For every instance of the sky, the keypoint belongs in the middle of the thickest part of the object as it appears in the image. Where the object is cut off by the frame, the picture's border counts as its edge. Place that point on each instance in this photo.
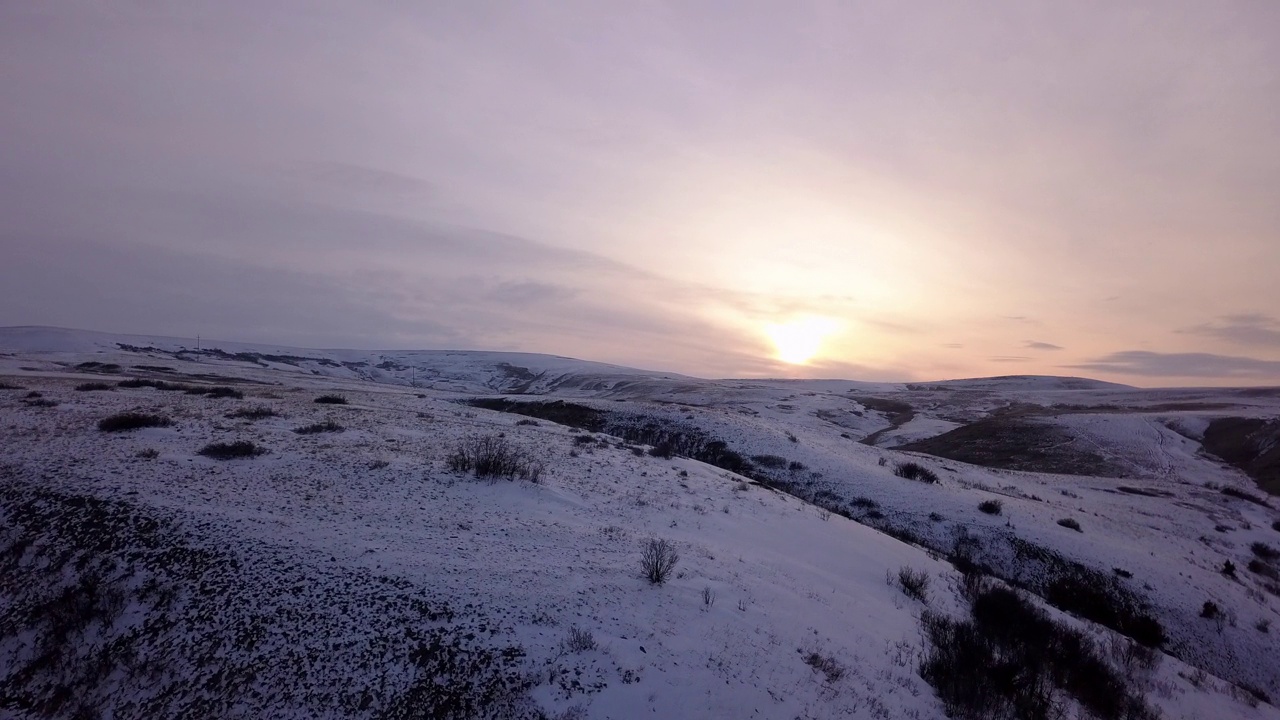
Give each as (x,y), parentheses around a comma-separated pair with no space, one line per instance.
(865,190)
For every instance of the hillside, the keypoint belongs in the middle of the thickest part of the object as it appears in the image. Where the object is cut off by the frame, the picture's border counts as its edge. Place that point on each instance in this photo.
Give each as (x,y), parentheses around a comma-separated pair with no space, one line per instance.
(354,570)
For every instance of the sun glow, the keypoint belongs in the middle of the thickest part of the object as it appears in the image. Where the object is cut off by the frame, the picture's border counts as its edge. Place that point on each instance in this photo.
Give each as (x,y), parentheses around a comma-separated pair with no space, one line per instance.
(798,341)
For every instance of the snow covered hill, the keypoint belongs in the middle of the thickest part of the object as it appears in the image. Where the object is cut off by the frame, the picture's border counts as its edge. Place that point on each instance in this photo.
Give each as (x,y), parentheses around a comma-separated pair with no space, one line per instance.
(353,568)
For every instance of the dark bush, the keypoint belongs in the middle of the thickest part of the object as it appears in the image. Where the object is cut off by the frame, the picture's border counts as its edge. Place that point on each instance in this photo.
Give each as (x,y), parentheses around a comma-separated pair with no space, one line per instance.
(132,421)
(662,450)
(915,471)
(493,457)
(1229,569)
(523,421)
(584,440)
(914,584)
(149,454)
(1103,600)
(253,413)
(331,400)
(828,666)
(7,386)
(991,507)
(773,462)
(33,395)
(1276,525)
(796,466)
(1070,523)
(41,402)
(1233,492)
(579,640)
(1258,567)
(92,386)
(658,559)
(328,426)
(232,450)
(1210,610)
(1010,661)
(1264,551)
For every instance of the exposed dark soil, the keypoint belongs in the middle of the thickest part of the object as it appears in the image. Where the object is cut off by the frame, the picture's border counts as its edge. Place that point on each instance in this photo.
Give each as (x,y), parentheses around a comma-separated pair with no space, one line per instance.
(898,413)
(1016,444)
(1251,444)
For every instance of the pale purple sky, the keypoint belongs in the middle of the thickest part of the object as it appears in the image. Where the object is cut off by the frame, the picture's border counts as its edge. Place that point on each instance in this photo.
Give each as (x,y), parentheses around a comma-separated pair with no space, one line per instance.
(904,190)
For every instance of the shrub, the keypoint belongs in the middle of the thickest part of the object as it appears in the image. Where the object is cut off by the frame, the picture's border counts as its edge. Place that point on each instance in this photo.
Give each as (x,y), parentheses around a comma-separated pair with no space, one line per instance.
(708,596)
(1264,551)
(658,559)
(1210,610)
(321,427)
(579,640)
(796,466)
(7,386)
(232,450)
(331,400)
(1229,569)
(584,439)
(493,457)
(769,461)
(1233,492)
(991,507)
(41,402)
(914,584)
(523,421)
(253,413)
(149,454)
(915,471)
(1276,526)
(92,386)
(1070,523)
(132,421)
(663,450)
(825,665)
(1010,660)
(1258,567)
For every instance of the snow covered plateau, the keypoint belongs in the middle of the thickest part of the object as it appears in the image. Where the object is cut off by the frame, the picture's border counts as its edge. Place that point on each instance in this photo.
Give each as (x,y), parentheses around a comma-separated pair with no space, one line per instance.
(242,531)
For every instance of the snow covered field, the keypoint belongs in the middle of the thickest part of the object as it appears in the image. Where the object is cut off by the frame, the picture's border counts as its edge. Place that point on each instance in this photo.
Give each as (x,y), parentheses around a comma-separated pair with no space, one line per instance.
(352,573)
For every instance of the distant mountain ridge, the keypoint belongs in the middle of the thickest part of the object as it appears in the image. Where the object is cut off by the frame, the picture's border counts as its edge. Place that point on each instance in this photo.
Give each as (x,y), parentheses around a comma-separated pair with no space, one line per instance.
(502,371)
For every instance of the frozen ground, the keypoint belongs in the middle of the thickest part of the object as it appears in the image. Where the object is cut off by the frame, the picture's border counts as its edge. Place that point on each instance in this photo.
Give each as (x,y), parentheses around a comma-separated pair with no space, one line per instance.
(352,574)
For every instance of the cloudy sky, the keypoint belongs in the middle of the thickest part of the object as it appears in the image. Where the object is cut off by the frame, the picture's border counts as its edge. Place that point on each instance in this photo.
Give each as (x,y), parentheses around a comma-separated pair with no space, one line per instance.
(869,190)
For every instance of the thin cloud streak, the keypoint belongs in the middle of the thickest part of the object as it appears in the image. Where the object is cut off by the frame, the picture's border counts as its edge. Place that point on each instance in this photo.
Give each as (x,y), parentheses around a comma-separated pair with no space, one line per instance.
(1183,365)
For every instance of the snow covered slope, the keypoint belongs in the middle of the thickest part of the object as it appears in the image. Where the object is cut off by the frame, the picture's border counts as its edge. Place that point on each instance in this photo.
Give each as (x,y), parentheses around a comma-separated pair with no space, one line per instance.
(353,573)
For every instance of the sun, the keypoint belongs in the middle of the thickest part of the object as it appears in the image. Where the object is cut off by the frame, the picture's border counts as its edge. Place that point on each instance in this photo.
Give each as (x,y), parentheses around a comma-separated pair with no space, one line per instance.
(798,341)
